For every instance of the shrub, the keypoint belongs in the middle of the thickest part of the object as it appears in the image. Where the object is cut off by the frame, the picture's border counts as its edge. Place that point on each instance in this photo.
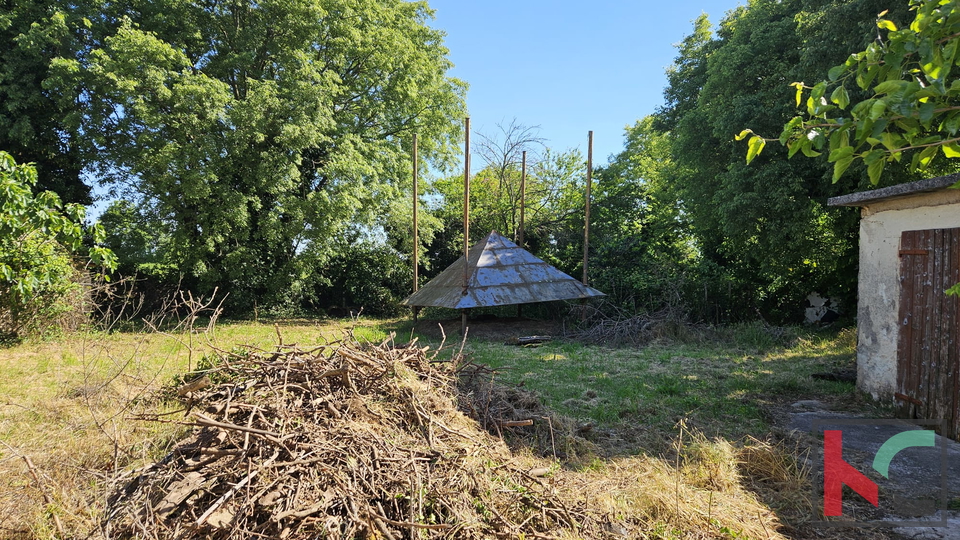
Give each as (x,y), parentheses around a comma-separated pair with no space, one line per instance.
(39,236)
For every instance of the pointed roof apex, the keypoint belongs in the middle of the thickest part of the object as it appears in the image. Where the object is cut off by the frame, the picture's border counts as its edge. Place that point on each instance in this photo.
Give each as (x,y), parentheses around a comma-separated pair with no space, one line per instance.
(498,273)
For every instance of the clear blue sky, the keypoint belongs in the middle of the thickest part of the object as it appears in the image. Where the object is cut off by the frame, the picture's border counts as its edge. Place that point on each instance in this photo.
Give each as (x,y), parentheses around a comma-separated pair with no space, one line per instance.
(567,66)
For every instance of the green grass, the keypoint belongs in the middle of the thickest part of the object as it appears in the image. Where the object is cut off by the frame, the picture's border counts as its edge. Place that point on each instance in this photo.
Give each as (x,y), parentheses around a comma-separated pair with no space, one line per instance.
(725,387)
(69,402)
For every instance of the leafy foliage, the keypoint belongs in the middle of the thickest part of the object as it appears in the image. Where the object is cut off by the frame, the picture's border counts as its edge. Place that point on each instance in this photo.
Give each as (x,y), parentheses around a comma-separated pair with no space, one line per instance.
(643,246)
(763,235)
(911,99)
(252,134)
(553,204)
(367,275)
(38,233)
(34,125)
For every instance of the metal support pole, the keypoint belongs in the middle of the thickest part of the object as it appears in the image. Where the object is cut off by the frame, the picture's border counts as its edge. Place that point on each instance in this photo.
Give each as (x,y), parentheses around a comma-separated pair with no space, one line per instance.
(466,220)
(523,195)
(416,232)
(586,217)
(523,207)
(416,237)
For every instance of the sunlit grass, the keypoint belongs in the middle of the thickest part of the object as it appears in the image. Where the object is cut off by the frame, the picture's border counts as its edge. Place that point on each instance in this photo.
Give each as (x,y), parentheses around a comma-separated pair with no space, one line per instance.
(71,403)
(720,387)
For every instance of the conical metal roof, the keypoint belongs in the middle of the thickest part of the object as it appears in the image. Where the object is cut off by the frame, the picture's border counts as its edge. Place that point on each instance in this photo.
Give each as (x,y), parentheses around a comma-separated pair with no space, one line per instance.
(499,273)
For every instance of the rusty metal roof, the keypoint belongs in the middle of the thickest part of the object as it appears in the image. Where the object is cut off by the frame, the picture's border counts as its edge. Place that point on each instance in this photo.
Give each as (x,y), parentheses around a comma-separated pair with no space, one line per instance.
(499,273)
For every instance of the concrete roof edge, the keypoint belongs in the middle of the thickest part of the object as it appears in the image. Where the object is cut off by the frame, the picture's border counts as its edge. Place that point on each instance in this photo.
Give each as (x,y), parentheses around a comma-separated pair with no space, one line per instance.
(863,198)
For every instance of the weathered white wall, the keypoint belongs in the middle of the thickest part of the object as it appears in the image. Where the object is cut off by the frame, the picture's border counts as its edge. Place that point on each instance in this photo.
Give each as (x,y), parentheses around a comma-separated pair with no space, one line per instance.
(879,289)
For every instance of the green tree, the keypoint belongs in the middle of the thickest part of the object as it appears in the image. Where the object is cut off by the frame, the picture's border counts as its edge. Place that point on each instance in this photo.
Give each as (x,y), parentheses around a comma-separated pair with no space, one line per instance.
(643,247)
(910,104)
(553,202)
(38,237)
(257,132)
(34,123)
(767,227)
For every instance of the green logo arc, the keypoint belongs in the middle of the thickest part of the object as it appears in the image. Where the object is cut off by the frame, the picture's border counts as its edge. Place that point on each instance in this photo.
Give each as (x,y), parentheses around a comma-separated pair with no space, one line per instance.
(900,441)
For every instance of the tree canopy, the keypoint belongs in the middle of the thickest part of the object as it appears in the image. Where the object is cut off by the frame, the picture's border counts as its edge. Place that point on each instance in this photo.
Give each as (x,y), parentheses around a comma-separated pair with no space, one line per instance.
(34,124)
(765,228)
(910,104)
(250,134)
(263,147)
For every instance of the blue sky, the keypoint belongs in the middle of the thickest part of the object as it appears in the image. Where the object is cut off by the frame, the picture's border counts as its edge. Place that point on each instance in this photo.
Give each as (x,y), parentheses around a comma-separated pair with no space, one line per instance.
(567,66)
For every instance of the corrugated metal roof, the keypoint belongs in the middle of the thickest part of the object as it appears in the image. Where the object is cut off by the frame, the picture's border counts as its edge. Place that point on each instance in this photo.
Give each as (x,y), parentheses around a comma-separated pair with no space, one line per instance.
(499,273)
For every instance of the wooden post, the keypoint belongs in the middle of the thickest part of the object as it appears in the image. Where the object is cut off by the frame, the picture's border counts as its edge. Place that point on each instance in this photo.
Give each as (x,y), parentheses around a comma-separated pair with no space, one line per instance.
(523,204)
(523,194)
(466,221)
(416,235)
(586,217)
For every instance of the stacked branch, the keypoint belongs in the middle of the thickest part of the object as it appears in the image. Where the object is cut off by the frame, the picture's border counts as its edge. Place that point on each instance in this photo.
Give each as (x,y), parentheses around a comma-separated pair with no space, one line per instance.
(606,324)
(340,441)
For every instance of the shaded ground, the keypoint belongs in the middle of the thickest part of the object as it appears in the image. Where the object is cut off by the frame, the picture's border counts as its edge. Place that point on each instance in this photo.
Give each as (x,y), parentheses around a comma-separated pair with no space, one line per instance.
(917,487)
(488,328)
(743,384)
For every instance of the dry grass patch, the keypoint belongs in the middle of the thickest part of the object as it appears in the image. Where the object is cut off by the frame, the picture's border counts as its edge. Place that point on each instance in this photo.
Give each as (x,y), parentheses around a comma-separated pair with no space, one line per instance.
(69,406)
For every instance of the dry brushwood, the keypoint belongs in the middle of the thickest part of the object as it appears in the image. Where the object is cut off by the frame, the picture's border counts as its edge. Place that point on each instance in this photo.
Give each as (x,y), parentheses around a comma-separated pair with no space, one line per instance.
(518,416)
(605,324)
(341,441)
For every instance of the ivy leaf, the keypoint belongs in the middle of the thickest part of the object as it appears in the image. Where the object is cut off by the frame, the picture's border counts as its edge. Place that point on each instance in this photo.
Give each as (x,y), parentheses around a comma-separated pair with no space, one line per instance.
(799,87)
(951,150)
(954,291)
(875,169)
(923,159)
(888,87)
(926,113)
(809,151)
(843,152)
(840,167)
(877,109)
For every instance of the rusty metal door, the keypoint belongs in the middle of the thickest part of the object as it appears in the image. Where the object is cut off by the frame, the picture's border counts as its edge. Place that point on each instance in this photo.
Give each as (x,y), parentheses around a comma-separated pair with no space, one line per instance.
(928,355)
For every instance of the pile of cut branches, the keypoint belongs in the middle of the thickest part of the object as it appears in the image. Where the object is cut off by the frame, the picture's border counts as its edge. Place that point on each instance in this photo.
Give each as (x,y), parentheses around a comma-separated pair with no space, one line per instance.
(605,324)
(342,441)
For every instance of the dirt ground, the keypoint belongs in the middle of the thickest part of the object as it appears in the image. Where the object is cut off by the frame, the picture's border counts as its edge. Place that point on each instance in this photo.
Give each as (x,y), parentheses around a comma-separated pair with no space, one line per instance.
(489,328)
(790,419)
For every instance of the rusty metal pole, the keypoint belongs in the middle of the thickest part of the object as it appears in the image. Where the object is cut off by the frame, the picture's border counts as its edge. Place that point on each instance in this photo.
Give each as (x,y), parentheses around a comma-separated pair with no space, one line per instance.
(416,235)
(523,204)
(466,221)
(416,196)
(586,217)
(523,193)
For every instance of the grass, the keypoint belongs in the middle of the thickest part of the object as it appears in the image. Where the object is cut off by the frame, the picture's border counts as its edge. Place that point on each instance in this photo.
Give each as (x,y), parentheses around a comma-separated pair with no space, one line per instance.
(723,388)
(69,404)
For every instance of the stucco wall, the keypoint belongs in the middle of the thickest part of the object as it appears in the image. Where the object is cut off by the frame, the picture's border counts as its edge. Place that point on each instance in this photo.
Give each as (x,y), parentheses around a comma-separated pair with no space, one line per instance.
(879,288)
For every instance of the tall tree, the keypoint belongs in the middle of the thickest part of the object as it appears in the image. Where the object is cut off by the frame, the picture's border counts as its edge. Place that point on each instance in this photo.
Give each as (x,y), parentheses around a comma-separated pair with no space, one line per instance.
(767,225)
(498,183)
(251,133)
(894,98)
(34,123)
(643,245)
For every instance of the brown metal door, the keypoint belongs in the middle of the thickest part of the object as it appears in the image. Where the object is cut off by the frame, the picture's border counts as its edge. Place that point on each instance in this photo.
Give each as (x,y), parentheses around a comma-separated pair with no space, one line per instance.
(928,356)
